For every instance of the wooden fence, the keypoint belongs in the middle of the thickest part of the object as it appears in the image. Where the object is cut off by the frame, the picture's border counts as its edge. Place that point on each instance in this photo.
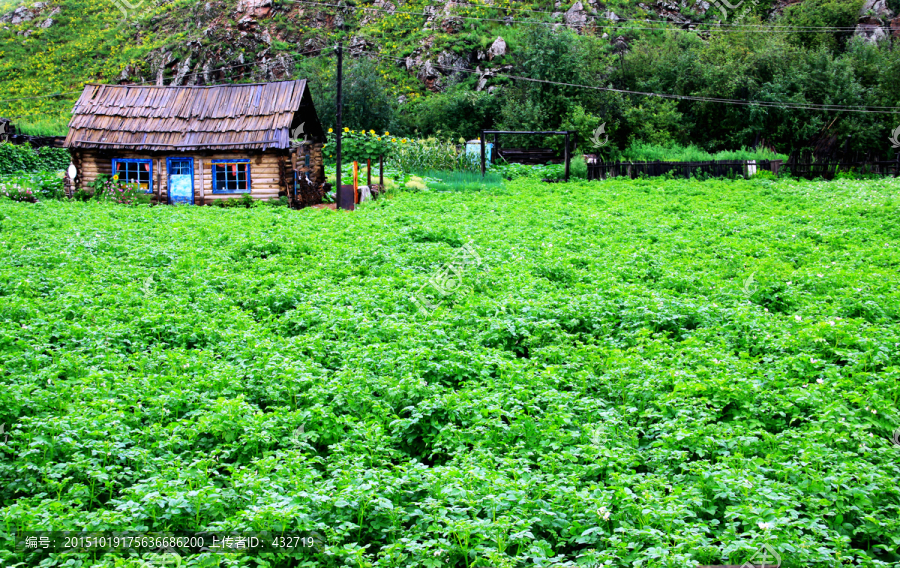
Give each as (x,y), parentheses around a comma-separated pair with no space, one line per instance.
(806,165)
(598,169)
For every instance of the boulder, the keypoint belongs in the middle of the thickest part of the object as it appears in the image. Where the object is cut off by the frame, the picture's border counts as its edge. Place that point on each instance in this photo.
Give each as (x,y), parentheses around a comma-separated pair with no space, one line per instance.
(497,49)
(254,8)
(575,16)
(430,77)
(876,8)
(19,15)
(870,32)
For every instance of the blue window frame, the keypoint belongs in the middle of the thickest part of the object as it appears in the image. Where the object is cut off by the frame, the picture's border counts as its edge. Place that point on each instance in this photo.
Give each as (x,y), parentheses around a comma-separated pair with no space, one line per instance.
(135,171)
(231,176)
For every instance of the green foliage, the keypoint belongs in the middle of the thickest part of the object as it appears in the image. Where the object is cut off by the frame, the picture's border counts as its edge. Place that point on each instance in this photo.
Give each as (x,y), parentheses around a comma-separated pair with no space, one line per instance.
(639,151)
(109,189)
(24,158)
(655,121)
(455,180)
(431,154)
(634,373)
(361,145)
(245,200)
(822,13)
(49,127)
(365,93)
(32,187)
(459,113)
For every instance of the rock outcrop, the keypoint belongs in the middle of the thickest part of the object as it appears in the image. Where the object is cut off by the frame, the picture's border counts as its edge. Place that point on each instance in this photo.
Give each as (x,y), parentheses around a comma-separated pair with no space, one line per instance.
(872,17)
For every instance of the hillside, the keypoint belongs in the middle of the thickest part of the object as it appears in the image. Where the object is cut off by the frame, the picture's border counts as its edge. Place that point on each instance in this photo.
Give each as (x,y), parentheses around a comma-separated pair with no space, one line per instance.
(442,67)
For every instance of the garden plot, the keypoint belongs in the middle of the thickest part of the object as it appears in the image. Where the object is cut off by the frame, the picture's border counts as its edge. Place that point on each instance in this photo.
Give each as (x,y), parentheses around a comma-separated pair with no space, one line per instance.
(630,373)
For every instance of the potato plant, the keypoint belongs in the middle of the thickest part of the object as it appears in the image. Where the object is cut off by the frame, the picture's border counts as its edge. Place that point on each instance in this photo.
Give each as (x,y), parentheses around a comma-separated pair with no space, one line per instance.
(641,373)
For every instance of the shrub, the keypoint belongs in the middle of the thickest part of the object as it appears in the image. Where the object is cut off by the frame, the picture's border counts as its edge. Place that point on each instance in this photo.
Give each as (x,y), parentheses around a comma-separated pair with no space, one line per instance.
(109,188)
(359,145)
(32,187)
(24,158)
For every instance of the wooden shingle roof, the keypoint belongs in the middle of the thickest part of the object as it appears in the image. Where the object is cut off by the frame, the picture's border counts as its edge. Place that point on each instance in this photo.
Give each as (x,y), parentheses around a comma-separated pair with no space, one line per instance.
(220,117)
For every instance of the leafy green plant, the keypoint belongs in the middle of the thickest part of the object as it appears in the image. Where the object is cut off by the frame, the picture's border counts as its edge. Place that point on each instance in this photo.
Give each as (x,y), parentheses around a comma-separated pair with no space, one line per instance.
(111,189)
(245,200)
(360,145)
(32,187)
(23,158)
(682,350)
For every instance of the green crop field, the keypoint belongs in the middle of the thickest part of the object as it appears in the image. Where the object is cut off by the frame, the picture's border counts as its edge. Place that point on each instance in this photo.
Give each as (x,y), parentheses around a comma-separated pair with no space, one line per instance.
(630,373)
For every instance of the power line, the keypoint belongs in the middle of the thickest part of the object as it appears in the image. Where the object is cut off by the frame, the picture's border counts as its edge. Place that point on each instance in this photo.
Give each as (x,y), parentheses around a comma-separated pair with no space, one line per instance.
(765,104)
(765,27)
(752,28)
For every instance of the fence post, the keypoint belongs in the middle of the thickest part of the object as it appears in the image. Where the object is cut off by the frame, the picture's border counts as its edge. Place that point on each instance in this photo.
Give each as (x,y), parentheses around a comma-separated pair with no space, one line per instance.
(381,172)
(482,153)
(567,155)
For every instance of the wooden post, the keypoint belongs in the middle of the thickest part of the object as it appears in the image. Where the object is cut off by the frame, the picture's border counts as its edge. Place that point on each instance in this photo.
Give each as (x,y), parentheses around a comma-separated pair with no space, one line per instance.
(482,154)
(369,173)
(494,151)
(340,80)
(381,171)
(567,155)
(202,188)
(355,182)
(158,186)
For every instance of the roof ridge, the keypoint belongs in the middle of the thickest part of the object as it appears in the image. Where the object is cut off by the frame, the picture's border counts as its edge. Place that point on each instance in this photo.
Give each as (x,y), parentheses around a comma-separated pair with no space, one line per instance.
(191,86)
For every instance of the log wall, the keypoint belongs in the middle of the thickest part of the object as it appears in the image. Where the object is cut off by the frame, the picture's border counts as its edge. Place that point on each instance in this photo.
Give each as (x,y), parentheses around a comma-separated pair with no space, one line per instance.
(266,172)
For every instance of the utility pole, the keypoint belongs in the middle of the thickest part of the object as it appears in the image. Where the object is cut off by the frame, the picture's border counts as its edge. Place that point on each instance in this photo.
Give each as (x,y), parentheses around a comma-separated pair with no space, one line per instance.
(339,130)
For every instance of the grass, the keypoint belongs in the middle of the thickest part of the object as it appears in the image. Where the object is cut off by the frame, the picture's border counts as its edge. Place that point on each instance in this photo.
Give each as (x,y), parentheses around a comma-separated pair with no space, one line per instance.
(630,373)
(456,180)
(49,127)
(643,152)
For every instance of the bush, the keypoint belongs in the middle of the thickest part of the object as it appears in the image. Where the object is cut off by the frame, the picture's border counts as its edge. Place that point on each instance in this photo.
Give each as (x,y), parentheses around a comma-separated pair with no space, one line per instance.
(110,189)
(645,152)
(24,158)
(246,200)
(359,145)
(32,187)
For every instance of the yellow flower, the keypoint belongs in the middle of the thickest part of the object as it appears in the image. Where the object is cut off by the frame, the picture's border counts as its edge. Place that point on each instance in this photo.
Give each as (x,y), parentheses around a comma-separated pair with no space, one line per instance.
(386,133)
(116,177)
(330,130)
(346,129)
(393,139)
(371,132)
(404,140)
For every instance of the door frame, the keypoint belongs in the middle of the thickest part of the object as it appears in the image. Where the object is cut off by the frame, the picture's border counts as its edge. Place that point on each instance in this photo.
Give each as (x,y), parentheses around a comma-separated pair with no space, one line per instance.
(169,161)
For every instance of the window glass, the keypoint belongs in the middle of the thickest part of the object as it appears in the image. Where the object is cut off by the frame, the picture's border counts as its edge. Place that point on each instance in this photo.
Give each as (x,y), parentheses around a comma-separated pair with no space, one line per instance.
(135,171)
(231,176)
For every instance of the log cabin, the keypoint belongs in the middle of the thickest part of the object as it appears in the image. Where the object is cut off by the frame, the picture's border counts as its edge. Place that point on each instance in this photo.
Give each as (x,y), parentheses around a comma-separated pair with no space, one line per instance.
(199,144)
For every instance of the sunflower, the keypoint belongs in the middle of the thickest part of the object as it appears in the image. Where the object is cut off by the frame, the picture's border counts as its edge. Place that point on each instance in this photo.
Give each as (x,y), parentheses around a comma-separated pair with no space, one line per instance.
(346,129)
(330,130)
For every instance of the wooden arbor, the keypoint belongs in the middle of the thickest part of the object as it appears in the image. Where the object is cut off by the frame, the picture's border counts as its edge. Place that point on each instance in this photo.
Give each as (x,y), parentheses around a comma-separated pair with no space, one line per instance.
(566,153)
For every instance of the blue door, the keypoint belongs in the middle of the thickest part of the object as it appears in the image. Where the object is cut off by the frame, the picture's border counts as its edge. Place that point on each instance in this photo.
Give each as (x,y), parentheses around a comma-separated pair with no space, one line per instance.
(180,187)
